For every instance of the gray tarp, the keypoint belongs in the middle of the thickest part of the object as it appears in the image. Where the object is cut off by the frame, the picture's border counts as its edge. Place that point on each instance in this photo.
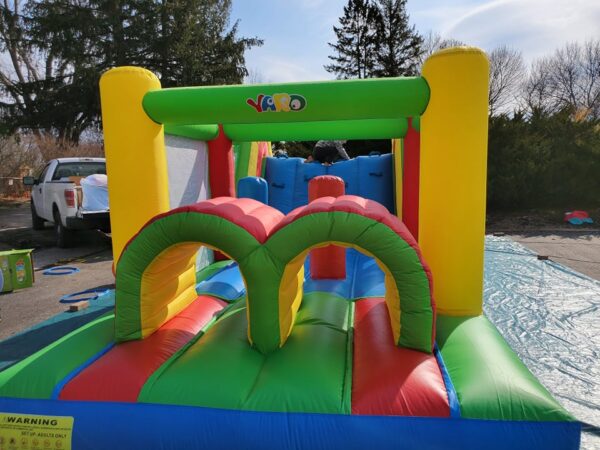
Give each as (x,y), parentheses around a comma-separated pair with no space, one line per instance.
(549,314)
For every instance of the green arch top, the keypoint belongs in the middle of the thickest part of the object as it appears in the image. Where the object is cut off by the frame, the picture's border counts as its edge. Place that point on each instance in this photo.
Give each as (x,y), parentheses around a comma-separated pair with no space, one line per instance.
(383,98)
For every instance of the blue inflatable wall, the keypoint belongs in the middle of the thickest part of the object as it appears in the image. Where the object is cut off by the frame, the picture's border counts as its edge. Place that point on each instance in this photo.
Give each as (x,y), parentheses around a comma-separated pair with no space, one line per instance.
(370,177)
(253,187)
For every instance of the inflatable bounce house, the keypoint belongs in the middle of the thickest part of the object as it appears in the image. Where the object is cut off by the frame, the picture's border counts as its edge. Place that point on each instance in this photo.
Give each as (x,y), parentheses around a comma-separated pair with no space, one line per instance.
(266,302)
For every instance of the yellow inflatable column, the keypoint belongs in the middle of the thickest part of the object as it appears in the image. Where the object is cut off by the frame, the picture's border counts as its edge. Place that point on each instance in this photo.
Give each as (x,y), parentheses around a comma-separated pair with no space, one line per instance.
(253,160)
(135,153)
(397,153)
(453,177)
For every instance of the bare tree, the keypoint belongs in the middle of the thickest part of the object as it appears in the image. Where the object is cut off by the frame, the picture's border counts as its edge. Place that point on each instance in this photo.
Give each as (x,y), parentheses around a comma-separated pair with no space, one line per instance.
(507,71)
(17,154)
(537,88)
(254,76)
(591,77)
(570,78)
(432,42)
(566,75)
(21,67)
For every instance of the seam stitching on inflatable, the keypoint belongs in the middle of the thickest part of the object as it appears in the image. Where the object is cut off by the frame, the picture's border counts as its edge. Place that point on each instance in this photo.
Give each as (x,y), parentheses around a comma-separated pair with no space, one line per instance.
(347,380)
(453,403)
(77,370)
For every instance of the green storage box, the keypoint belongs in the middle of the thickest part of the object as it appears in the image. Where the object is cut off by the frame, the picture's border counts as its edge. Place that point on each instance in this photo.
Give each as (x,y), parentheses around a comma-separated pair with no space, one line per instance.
(5,278)
(16,270)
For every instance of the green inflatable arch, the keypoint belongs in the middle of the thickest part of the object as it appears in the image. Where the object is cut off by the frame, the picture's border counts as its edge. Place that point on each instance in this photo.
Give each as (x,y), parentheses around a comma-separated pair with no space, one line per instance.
(156,272)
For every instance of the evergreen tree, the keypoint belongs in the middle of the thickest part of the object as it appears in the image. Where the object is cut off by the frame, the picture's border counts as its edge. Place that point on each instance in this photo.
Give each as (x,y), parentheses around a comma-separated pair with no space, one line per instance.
(61,47)
(399,46)
(357,42)
(198,48)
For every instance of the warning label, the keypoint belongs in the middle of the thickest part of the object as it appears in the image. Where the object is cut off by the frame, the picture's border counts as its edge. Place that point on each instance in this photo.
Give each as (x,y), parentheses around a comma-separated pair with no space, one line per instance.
(32,432)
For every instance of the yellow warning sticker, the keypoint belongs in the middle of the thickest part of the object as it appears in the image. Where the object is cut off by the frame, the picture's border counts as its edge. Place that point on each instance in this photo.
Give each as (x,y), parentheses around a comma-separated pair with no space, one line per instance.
(32,432)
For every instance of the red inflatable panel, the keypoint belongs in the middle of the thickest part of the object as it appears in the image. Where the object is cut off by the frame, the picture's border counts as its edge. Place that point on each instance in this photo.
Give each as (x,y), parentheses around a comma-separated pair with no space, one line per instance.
(410,180)
(327,262)
(356,205)
(255,217)
(325,186)
(120,374)
(263,152)
(390,380)
(221,170)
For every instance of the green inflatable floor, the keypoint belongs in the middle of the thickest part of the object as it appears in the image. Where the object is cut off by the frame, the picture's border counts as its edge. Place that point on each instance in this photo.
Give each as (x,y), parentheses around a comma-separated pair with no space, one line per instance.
(490,380)
(310,373)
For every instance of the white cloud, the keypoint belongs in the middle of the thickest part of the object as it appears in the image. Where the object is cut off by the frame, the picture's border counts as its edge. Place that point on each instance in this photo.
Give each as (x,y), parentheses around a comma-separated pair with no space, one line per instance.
(536,27)
(431,14)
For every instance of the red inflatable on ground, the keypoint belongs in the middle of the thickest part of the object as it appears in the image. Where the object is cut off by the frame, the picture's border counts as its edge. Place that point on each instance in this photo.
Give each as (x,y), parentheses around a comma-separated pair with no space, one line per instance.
(578,217)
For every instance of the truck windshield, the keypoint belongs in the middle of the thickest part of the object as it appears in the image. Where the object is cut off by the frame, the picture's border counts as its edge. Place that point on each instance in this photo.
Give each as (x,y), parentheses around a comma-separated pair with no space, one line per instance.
(78,169)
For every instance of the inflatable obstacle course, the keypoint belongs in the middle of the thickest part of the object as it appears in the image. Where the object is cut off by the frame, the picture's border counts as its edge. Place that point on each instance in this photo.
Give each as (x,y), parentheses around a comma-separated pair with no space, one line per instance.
(394,355)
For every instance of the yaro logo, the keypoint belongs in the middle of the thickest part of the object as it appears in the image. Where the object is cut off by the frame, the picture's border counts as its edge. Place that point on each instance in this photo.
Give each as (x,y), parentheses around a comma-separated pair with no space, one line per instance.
(277,103)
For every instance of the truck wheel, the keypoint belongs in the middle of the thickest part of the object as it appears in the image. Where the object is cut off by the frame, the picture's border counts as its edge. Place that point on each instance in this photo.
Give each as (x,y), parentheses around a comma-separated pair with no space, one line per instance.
(64,236)
(36,221)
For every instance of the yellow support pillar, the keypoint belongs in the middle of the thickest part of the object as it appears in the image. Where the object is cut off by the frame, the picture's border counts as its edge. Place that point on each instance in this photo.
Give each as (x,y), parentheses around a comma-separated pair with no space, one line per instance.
(397,153)
(253,160)
(453,169)
(134,145)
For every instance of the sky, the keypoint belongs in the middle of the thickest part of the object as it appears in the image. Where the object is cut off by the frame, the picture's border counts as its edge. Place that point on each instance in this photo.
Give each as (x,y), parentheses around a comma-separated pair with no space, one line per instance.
(296,32)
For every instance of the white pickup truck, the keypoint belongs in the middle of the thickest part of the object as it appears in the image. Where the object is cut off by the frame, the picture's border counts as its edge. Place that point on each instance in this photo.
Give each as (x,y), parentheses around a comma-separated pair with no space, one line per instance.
(57,197)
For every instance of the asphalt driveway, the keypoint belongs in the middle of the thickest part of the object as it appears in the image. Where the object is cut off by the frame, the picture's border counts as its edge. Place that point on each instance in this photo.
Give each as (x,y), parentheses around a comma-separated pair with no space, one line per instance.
(24,308)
